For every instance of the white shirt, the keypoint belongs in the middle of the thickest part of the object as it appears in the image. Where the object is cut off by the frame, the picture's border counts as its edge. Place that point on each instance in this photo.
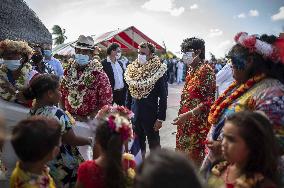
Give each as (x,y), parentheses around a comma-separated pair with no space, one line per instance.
(180,66)
(224,78)
(117,74)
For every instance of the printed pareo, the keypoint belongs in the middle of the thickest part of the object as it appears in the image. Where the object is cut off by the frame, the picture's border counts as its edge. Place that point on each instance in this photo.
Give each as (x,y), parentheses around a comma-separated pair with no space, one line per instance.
(199,88)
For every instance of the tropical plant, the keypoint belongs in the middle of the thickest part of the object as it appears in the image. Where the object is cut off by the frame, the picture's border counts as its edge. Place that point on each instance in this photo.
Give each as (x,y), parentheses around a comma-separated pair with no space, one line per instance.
(59,34)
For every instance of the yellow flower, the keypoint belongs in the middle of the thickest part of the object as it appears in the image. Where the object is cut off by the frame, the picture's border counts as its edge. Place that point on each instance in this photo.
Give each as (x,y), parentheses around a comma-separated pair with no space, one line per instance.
(72,120)
(131,173)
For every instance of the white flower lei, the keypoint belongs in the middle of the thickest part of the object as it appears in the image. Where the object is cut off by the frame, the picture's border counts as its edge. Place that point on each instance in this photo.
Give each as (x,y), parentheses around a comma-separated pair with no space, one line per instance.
(72,82)
(20,82)
(142,78)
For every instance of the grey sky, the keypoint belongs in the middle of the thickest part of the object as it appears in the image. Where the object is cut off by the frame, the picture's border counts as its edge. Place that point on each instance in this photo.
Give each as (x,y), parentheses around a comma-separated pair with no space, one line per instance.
(216,21)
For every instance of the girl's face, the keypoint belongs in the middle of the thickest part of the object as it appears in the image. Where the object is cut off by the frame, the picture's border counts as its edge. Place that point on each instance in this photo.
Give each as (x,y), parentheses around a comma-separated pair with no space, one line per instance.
(234,148)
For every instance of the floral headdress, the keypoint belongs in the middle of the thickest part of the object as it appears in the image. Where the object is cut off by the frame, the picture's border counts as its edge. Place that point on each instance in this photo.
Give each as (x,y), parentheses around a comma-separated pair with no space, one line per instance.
(118,118)
(8,46)
(251,42)
(108,109)
(120,125)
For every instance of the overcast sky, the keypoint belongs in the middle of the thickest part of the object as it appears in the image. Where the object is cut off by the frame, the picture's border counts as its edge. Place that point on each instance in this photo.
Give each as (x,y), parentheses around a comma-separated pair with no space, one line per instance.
(216,21)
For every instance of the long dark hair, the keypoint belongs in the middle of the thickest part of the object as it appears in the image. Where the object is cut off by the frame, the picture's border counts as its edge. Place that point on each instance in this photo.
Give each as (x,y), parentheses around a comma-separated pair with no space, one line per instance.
(260,64)
(111,143)
(40,85)
(257,132)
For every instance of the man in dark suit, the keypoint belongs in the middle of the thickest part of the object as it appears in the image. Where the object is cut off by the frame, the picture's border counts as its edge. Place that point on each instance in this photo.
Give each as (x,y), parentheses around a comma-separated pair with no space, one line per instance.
(114,70)
(147,96)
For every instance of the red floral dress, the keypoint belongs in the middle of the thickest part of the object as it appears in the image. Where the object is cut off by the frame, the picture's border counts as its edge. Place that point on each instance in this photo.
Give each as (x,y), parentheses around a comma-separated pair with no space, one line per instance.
(199,88)
(98,94)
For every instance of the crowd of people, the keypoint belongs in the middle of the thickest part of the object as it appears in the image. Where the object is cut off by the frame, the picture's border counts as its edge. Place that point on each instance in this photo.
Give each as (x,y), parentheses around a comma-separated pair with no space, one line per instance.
(232,139)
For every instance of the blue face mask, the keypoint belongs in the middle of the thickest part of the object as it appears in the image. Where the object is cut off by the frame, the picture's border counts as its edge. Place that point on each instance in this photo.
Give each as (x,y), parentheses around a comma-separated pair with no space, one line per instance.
(82,59)
(12,65)
(47,53)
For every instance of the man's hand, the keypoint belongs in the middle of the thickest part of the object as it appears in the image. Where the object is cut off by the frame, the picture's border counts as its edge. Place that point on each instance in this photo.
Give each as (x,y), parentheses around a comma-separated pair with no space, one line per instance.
(158,125)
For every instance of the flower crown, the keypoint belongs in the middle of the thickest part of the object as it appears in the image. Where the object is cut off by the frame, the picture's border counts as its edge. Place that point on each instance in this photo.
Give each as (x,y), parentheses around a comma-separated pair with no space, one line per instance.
(118,118)
(121,125)
(255,45)
(108,109)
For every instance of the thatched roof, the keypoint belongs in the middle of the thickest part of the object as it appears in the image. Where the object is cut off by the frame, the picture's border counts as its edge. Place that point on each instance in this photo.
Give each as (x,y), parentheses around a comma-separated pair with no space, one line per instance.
(19,22)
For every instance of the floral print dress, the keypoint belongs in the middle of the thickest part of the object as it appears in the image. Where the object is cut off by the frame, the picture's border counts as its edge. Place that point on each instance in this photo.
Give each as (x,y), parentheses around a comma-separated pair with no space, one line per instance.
(199,88)
(64,168)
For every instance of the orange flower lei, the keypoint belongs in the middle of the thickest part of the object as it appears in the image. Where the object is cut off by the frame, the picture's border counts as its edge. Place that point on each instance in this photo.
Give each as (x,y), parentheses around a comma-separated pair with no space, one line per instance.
(223,101)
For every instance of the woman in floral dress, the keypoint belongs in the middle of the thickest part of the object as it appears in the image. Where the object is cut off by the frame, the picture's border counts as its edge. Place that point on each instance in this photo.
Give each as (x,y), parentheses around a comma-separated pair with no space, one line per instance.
(45,89)
(258,72)
(197,96)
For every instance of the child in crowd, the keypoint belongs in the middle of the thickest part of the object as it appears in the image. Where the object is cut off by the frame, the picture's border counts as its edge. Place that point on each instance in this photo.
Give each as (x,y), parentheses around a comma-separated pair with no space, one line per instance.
(45,89)
(166,169)
(109,170)
(251,153)
(36,141)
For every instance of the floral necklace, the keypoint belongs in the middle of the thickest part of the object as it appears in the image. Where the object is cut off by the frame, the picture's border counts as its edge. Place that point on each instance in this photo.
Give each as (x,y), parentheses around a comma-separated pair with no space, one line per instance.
(241,182)
(77,87)
(142,78)
(223,101)
(19,83)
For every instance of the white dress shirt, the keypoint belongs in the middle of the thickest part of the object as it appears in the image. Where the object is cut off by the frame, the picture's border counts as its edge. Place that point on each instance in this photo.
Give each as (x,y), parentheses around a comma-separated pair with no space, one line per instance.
(117,73)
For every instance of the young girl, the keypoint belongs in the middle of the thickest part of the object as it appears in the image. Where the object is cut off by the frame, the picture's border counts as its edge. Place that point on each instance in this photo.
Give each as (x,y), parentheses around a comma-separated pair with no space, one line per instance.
(250,150)
(108,170)
(45,89)
(35,141)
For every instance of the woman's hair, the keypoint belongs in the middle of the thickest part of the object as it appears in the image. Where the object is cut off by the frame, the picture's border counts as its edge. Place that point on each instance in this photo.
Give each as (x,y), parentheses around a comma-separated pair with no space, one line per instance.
(257,132)
(34,138)
(10,46)
(195,44)
(167,169)
(40,85)
(260,64)
(111,144)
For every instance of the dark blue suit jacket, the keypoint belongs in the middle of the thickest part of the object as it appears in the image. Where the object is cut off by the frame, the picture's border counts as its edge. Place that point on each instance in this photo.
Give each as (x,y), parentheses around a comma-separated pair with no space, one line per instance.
(148,110)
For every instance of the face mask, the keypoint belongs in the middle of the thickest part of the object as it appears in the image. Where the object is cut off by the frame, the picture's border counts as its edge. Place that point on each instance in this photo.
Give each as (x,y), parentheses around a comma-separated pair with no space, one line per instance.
(37,58)
(82,59)
(118,55)
(12,64)
(188,57)
(142,59)
(47,53)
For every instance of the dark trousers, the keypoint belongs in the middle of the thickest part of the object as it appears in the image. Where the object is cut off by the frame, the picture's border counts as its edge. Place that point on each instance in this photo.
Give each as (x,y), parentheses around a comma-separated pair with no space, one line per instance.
(145,130)
(119,97)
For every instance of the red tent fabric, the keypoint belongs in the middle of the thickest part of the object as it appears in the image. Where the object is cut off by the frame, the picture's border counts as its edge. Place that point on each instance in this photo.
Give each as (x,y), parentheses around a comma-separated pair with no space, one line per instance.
(128,38)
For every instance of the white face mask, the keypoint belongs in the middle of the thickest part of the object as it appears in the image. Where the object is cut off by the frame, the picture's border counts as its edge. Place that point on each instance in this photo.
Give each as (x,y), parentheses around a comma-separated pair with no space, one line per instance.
(142,59)
(187,58)
(12,64)
(82,59)
(118,55)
